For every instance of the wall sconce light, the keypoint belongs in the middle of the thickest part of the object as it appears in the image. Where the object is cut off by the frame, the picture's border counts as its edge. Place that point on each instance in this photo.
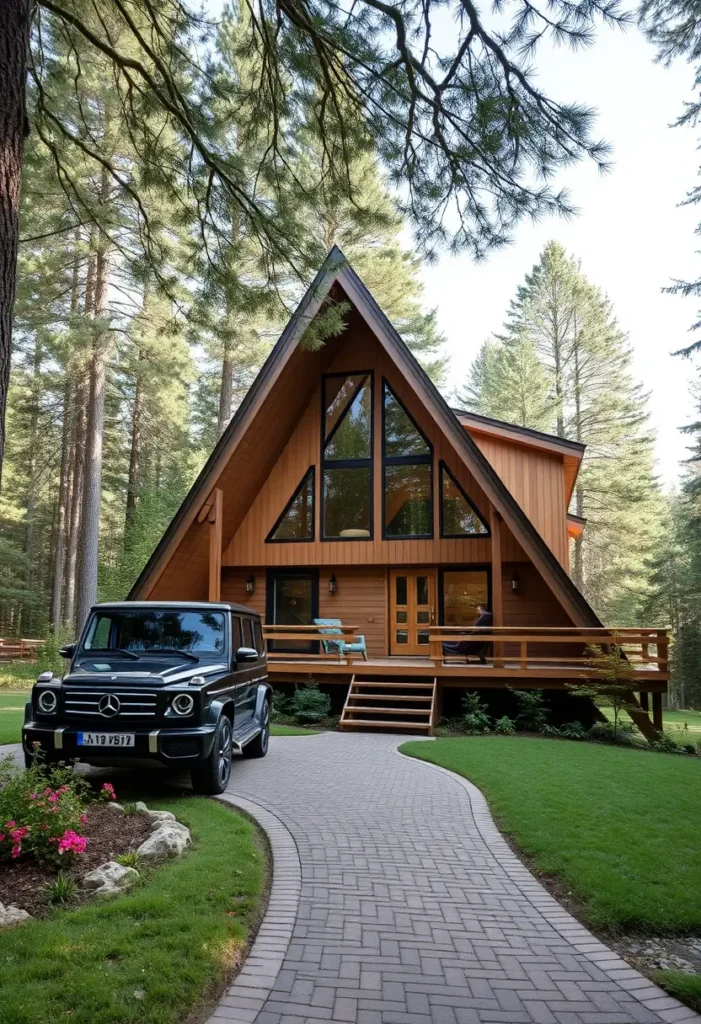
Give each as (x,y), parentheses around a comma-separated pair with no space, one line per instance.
(332,583)
(514,582)
(251,584)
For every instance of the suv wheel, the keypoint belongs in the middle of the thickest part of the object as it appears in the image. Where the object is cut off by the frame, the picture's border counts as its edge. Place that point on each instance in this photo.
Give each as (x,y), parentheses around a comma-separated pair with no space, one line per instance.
(259,746)
(211,775)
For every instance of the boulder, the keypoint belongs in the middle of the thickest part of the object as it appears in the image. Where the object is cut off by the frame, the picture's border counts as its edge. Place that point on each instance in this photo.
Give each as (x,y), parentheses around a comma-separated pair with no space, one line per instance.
(167,821)
(12,915)
(110,877)
(115,808)
(167,840)
(156,816)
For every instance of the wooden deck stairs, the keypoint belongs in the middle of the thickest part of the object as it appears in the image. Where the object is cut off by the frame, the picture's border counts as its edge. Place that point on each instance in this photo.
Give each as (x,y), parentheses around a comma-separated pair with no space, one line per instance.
(390,704)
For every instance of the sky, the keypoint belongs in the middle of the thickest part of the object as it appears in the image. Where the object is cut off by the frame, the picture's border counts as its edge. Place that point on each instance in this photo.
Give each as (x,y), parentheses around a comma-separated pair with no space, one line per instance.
(630,234)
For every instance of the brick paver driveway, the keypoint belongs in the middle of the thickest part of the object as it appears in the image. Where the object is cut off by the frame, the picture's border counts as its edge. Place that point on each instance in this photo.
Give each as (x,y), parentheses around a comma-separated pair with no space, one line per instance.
(413,910)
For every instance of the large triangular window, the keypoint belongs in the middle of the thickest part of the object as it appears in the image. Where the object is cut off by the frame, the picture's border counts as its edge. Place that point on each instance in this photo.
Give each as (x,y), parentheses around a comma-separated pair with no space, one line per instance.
(459,517)
(297,519)
(407,459)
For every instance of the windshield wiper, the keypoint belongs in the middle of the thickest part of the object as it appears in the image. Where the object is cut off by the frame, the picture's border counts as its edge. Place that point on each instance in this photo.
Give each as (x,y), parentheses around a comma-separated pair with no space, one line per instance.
(170,650)
(108,651)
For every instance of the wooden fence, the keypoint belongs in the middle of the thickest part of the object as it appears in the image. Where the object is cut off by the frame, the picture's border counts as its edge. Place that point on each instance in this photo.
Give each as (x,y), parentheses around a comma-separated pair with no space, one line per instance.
(13,650)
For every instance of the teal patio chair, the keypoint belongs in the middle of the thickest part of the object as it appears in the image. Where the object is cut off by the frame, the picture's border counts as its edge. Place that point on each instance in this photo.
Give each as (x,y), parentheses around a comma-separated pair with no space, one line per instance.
(339,646)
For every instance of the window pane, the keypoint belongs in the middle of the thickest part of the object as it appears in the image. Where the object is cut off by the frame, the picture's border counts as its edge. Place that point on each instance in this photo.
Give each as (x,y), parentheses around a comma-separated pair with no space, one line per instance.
(422,590)
(408,501)
(401,588)
(402,636)
(402,618)
(423,636)
(459,518)
(463,590)
(347,502)
(298,521)
(423,618)
(293,603)
(348,417)
(151,629)
(401,436)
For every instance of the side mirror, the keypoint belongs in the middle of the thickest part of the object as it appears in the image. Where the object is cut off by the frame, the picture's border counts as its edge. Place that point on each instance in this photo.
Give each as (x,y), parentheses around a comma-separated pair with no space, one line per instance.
(67,651)
(245,654)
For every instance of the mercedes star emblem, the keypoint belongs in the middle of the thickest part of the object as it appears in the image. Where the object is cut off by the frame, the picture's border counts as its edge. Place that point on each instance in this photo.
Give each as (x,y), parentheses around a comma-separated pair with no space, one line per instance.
(109,705)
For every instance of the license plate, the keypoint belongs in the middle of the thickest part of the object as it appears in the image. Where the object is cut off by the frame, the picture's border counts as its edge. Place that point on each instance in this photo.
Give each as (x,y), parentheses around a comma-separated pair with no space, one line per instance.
(105,739)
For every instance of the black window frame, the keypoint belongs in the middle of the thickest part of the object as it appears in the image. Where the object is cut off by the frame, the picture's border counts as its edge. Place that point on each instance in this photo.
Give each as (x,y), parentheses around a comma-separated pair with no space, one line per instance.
(469,567)
(270,577)
(443,468)
(368,463)
(270,539)
(405,460)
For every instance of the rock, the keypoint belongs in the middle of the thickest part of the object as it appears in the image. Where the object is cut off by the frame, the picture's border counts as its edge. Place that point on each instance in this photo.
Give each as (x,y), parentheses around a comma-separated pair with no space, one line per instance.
(156,816)
(166,841)
(172,823)
(110,877)
(116,808)
(12,915)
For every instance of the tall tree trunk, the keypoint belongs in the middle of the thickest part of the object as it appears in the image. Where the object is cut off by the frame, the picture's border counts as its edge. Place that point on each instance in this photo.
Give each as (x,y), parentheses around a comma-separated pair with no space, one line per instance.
(31,500)
(226,391)
(578,554)
(65,473)
(135,454)
(92,479)
(14,125)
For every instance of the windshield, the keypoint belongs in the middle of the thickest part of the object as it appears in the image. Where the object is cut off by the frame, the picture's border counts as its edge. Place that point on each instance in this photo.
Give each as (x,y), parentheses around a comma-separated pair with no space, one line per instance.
(169,630)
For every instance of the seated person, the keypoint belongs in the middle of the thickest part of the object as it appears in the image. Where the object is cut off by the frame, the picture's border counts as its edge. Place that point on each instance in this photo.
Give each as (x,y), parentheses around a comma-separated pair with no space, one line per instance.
(473,648)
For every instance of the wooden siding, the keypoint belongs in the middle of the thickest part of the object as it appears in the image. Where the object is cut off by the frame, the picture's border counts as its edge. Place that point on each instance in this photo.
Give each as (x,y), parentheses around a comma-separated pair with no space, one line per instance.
(536,479)
(360,351)
(361,599)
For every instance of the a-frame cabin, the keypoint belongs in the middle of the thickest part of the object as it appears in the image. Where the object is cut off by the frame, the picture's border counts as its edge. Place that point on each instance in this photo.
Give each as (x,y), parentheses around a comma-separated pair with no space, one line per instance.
(346,488)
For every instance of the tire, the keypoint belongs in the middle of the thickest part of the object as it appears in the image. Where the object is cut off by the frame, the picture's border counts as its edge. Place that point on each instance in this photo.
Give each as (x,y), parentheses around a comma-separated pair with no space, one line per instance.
(211,775)
(259,746)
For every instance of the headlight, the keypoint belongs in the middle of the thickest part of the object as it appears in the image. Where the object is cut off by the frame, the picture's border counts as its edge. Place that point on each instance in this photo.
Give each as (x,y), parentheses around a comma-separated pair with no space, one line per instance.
(47,702)
(183,704)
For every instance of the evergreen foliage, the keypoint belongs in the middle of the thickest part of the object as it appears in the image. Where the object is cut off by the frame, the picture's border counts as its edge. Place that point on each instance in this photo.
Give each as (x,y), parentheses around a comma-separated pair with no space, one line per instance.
(563,365)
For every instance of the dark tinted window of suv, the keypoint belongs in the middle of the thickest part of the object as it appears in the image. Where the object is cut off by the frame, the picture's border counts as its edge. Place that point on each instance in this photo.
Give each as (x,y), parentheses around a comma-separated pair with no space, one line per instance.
(238,636)
(248,634)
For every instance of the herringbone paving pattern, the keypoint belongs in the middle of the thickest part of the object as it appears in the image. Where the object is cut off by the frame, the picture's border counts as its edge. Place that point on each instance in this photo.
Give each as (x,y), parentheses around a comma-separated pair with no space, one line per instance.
(413,910)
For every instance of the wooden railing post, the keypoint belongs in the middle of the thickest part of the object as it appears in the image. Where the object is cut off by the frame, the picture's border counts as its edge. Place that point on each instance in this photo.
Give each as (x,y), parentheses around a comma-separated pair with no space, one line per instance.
(662,650)
(524,655)
(497,588)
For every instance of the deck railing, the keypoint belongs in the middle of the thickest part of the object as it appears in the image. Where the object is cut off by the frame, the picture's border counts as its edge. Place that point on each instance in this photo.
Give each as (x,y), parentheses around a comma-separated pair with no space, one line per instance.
(528,647)
(314,636)
(512,648)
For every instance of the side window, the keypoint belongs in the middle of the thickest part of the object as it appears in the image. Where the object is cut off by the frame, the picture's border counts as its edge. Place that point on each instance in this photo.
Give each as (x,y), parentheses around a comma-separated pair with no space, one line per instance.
(248,634)
(258,630)
(99,638)
(236,633)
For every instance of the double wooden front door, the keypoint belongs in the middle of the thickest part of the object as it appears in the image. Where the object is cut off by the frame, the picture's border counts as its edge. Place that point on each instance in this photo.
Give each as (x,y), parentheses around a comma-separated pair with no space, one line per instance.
(412,609)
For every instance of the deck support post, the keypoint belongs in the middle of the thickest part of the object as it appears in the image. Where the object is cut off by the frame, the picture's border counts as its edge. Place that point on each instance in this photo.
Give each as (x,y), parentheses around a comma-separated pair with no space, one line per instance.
(215,543)
(497,588)
(644,700)
(657,711)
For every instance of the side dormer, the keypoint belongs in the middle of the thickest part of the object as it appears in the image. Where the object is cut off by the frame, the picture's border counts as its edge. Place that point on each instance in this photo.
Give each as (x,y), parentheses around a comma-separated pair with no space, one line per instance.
(540,470)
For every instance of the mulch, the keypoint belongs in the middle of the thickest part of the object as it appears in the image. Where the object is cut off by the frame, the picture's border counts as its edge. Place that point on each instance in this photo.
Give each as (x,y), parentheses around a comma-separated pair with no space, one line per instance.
(23,882)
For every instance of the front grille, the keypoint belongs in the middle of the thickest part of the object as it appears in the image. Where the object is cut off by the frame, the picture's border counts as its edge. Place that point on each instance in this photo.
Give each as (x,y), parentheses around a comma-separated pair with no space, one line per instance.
(132,703)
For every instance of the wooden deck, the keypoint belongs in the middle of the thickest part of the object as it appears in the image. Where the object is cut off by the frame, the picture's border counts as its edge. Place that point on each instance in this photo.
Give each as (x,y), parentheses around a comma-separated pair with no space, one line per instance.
(518,656)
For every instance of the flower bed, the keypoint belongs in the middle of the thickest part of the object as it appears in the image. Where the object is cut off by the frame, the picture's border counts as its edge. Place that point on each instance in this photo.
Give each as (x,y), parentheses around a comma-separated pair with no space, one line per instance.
(53,825)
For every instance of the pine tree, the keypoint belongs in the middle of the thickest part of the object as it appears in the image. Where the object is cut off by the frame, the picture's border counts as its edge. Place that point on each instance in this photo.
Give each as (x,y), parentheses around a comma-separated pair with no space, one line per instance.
(508,382)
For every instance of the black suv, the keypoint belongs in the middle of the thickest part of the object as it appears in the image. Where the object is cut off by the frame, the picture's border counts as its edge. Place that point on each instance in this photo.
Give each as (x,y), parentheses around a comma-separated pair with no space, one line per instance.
(182,683)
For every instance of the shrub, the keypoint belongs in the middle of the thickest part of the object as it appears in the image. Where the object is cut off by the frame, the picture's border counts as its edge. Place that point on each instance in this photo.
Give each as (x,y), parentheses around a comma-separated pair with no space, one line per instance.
(281,707)
(667,745)
(130,859)
(573,731)
(689,747)
(552,731)
(41,812)
(475,719)
(606,732)
(505,726)
(309,704)
(62,889)
(532,714)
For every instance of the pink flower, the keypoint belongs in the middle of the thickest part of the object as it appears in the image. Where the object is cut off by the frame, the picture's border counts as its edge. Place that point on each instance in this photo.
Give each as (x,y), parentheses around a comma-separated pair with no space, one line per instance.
(53,798)
(108,790)
(71,842)
(83,819)
(33,796)
(18,834)
(16,850)
(10,824)
(2,836)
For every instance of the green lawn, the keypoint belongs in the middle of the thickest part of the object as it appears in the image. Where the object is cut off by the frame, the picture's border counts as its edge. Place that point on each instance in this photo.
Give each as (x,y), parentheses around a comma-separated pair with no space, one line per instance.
(676,722)
(291,730)
(150,956)
(619,827)
(11,716)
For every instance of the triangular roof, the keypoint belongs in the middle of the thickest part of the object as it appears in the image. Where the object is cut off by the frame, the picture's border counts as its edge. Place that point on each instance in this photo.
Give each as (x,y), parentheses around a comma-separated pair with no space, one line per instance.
(337,272)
